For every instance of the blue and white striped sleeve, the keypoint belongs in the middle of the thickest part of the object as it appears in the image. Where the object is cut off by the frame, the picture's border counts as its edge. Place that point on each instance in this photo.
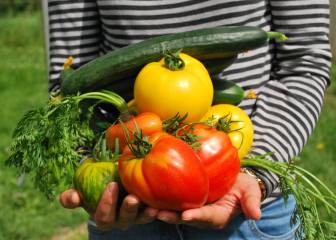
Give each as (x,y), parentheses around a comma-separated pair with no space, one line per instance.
(288,106)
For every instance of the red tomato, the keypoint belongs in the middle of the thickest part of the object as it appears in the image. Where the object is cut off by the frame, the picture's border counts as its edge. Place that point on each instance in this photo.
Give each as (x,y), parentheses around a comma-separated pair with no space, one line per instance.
(147,122)
(170,176)
(219,157)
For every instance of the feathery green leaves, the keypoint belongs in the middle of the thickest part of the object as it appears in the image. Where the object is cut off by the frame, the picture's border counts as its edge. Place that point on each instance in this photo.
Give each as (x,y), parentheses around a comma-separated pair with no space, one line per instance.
(308,191)
(47,140)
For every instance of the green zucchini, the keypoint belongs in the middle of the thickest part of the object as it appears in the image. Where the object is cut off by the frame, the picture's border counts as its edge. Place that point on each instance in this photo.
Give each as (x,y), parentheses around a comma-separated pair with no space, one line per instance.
(217,65)
(227,92)
(124,63)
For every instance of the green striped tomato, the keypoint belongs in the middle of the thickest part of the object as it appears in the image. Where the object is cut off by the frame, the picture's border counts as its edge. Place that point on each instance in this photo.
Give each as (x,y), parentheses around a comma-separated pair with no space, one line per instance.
(91,179)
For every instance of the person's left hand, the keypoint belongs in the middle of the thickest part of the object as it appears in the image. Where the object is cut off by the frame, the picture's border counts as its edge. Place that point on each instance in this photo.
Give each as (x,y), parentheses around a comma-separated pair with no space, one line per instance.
(244,196)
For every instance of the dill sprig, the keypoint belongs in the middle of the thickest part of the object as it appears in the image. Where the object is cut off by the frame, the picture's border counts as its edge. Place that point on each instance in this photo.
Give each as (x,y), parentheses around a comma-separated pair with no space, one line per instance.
(47,139)
(308,191)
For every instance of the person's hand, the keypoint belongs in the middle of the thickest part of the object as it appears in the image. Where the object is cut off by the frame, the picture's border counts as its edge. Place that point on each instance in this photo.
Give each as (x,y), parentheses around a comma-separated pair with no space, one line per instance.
(244,196)
(107,216)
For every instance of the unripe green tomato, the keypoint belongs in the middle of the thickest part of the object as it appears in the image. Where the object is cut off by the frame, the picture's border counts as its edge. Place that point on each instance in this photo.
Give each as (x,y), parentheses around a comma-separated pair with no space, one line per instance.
(91,178)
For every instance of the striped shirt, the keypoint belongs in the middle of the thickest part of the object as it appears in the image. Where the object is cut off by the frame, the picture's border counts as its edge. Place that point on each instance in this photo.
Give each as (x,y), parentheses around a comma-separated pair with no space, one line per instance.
(289,78)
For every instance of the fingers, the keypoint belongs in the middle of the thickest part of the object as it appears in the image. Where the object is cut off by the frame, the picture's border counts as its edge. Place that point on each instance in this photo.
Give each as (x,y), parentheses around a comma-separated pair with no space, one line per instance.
(128,211)
(148,215)
(70,199)
(169,217)
(209,216)
(107,215)
(106,211)
(250,203)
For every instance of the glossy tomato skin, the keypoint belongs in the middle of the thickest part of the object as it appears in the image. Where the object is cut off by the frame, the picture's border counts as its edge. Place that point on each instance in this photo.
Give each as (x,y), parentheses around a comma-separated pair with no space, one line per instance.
(147,122)
(219,157)
(169,177)
(168,92)
(241,128)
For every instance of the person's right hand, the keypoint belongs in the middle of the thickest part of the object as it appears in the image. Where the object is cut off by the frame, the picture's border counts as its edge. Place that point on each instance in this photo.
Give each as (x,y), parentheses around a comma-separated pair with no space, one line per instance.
(107,216)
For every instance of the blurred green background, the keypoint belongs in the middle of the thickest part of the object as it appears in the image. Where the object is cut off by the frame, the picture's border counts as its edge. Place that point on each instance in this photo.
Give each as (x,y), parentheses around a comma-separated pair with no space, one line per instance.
(26,214)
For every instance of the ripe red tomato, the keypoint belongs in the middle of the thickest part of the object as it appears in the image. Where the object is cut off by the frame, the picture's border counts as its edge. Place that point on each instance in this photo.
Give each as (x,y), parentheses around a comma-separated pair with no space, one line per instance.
(219,157)
(170,176)
(147,122)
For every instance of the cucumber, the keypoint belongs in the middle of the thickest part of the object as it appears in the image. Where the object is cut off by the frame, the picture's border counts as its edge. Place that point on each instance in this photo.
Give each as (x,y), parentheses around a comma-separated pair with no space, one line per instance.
(124,63)
(217,65)
(227,92)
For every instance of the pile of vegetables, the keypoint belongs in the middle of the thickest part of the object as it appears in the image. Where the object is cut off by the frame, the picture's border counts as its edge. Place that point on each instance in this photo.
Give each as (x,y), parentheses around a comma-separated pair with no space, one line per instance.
(179,142)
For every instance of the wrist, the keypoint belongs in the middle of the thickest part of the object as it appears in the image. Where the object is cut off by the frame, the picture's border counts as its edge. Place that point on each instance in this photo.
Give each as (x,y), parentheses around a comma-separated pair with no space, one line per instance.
(260,182)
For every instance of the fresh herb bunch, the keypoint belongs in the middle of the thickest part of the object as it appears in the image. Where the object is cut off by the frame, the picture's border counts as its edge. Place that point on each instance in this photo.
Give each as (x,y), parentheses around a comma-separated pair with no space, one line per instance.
(47,140)
(309,192)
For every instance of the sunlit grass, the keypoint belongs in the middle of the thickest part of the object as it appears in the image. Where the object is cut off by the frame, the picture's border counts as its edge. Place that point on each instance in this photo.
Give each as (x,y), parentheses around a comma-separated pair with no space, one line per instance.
(26,214)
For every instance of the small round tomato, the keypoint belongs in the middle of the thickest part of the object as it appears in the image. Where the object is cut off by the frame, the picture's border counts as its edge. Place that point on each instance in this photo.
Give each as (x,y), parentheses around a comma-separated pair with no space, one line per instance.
(235,122)
(147,122)
(170,176)
(91,178)
(166,92)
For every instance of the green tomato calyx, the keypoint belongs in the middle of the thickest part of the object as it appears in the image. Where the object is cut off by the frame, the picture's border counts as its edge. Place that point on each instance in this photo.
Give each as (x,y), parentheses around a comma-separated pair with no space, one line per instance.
(173,61)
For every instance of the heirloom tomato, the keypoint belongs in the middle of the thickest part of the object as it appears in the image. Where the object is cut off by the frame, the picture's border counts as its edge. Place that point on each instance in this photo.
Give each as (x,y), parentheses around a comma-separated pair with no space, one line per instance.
(169,176)
(235,122)
(91,178)
(167,90)
(147,122)
(217,154)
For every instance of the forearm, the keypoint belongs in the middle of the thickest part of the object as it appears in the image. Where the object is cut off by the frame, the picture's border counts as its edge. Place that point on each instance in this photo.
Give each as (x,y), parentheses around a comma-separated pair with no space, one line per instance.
(288,106)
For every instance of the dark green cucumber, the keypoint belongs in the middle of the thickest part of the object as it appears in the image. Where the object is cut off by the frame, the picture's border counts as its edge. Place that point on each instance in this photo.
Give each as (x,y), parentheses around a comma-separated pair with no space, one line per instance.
(217,65)
(124,63)
(227,92)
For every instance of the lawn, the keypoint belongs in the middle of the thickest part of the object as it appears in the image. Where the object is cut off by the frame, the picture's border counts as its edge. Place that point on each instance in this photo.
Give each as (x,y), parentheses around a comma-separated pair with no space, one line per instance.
(26,214)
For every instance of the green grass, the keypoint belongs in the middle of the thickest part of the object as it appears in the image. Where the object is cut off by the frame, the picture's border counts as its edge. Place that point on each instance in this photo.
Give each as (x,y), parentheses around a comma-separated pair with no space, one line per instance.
(26,214)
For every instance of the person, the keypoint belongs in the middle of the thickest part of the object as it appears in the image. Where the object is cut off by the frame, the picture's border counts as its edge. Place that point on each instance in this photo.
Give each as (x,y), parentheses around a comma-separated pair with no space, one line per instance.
(288,78)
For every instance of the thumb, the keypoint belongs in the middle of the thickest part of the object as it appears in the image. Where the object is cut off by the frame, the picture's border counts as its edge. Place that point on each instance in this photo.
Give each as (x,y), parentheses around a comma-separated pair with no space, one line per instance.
(250,203)
(70,199)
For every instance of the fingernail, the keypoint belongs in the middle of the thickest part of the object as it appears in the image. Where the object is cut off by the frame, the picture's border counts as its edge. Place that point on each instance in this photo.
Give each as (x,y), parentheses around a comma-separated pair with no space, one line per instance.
(132,201)
(186,217)
(163,218)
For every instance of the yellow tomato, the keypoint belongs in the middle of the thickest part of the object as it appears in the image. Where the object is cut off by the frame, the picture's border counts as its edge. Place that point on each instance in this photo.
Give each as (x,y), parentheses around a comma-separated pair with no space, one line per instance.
(236,123)
(167,92)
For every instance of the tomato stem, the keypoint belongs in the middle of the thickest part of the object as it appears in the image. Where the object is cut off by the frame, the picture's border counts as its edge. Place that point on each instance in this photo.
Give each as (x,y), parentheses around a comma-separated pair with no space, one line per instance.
(173,61)
(102,153)
(276,35)
(139,145)
(224,124)
(171,125)
(186,134)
